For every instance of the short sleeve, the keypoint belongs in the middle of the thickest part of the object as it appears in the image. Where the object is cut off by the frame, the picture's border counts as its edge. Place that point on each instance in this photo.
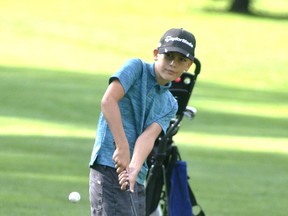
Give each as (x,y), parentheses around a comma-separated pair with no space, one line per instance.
(164,121)
(128,73)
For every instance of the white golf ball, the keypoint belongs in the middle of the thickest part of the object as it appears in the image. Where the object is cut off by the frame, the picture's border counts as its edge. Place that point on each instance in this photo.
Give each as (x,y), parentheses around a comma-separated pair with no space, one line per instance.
(74,197)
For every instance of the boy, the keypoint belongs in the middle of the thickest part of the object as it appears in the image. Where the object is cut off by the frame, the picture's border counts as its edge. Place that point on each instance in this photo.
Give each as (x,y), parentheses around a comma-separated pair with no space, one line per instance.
(136,107)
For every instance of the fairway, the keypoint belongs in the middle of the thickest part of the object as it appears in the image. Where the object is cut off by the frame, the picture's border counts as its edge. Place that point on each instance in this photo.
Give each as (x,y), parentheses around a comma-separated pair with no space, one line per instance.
(55,61)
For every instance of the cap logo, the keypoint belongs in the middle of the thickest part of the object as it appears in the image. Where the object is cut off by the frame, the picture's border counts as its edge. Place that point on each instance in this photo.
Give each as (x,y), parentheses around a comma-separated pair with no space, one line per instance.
(170,38)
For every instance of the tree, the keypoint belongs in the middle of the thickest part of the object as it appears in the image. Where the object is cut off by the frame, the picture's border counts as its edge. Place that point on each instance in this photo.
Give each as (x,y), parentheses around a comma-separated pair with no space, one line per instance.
(240,6)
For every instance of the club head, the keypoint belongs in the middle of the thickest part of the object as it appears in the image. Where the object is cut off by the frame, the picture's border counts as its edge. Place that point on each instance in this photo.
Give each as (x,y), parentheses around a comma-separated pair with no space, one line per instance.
(190,112)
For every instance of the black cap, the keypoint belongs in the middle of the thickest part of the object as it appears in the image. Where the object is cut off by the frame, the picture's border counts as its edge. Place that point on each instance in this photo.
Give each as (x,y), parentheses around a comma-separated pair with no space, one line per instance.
(178,40)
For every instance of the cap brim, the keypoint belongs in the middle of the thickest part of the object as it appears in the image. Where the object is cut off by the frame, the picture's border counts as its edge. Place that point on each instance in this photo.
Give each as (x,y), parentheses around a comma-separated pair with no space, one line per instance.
(162,50)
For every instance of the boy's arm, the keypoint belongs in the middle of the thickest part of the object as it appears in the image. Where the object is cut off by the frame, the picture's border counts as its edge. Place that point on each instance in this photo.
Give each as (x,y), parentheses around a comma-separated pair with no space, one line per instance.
(143,147)
(112,114)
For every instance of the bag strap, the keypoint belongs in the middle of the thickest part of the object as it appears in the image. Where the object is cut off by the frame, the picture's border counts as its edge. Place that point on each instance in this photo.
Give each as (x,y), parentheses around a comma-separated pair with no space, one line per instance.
(194,202)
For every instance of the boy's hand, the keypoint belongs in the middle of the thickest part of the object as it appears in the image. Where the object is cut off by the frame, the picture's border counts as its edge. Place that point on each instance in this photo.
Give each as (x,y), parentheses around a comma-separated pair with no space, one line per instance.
(127,178)
(123,179)
(121,157)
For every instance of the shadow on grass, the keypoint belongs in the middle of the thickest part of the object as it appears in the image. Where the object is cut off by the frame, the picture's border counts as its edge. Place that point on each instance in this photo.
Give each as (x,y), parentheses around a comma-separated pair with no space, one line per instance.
(74,98)
(38,172)
(244,95)
(64,97)
(237,124)
(45,155)
(255,177)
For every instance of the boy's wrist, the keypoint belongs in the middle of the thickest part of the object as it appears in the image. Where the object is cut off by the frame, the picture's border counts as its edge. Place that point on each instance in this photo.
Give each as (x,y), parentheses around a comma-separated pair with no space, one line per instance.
(121,145)
(135,166)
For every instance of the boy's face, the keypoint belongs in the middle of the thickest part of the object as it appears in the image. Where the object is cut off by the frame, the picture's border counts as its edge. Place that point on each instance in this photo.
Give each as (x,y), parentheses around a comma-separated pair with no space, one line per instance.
(170,66)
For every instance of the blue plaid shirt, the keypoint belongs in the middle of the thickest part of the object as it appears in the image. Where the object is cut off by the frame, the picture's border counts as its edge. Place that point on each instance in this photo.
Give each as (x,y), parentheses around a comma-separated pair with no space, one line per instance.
(144,102)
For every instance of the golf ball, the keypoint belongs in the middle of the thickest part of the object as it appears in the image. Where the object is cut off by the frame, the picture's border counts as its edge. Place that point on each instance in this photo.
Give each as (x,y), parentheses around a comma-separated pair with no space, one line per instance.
(74,197)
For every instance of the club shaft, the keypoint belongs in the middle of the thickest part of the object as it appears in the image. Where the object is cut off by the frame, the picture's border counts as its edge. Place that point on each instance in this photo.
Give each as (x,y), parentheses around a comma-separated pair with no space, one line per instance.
(132,203)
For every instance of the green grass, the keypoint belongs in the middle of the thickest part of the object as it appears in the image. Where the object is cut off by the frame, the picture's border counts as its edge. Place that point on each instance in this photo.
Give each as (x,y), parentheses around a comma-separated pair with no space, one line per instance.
(56,57)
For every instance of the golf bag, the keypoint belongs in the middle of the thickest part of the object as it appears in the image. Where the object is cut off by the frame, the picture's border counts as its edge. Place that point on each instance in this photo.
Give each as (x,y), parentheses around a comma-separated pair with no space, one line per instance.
(167,180)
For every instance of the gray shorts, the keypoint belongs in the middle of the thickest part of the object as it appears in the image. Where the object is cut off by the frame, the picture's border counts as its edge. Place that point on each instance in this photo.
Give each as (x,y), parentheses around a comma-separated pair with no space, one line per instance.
(106,197)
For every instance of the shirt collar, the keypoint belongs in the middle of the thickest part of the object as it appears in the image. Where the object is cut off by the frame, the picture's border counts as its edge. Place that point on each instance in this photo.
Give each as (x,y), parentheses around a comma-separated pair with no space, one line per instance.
(160,87)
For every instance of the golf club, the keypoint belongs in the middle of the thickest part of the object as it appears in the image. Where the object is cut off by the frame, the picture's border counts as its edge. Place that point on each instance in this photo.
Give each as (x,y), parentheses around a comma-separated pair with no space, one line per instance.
(131,200)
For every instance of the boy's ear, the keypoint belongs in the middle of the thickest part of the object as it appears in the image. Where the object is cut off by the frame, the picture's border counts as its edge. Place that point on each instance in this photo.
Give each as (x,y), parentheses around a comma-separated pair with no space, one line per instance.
(189,65)
(155,54)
